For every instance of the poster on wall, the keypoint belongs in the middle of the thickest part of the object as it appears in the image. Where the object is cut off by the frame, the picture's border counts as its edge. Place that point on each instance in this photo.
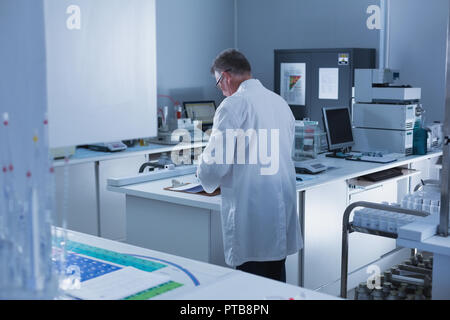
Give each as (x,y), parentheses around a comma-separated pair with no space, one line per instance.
(329,83)
(293,82)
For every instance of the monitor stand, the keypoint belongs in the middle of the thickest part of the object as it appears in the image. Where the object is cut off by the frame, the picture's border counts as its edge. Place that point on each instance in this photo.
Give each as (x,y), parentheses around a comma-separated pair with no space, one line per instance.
(339,154)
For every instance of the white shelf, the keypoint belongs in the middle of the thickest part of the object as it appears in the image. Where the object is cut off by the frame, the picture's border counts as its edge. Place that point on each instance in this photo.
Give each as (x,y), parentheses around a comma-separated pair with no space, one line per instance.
(358,184)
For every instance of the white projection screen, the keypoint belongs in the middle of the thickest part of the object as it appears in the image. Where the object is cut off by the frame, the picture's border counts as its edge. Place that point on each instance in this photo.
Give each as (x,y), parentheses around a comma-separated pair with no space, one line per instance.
(101,70)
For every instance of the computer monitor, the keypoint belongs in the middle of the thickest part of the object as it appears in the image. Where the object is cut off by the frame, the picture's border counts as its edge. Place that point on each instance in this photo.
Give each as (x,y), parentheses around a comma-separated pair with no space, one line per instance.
(338,126)
(201,110)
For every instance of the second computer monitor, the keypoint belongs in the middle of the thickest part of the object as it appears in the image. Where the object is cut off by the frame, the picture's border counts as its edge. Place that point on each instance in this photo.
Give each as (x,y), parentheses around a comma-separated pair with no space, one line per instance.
(338,126)
(201,110)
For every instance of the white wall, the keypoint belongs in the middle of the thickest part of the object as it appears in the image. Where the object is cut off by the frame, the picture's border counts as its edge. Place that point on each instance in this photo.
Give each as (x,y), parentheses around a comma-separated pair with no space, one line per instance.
(418,49)
(417,44)
(190,34)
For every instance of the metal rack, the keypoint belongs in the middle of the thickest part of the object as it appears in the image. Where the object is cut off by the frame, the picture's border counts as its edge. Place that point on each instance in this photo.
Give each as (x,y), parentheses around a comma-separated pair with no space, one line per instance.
(348,227)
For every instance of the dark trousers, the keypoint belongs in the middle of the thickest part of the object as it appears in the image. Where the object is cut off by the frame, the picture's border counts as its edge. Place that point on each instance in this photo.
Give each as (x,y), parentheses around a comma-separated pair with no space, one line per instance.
(275,270)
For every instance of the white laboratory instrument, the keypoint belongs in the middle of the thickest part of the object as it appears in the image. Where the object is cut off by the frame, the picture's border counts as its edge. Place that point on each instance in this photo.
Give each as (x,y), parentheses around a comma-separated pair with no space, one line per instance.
(384,116)
(375,85)
(309,167)
(108,147)
(390,141)
(186,131)
(64,152)
(376,157)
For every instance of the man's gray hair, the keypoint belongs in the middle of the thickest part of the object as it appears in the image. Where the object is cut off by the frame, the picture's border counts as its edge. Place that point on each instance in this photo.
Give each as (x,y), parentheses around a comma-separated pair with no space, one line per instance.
(233,61)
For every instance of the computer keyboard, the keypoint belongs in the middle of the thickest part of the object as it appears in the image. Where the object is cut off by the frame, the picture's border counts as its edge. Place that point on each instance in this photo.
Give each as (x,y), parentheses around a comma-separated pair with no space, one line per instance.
(383,159)
(377,159)
(383,175)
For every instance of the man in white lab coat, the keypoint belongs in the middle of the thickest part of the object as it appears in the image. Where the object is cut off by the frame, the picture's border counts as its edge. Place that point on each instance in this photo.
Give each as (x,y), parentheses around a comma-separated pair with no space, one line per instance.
(248,157)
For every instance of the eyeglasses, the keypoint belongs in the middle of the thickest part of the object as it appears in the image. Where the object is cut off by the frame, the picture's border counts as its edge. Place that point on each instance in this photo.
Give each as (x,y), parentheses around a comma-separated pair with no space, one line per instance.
(221,77)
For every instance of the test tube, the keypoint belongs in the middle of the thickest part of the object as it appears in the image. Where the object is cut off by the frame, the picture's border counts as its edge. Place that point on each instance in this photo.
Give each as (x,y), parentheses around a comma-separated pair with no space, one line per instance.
(357,218)
(374,219)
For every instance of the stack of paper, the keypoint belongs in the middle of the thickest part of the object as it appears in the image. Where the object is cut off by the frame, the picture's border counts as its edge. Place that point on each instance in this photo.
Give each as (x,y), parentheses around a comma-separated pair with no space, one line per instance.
(191,188)
(118,284)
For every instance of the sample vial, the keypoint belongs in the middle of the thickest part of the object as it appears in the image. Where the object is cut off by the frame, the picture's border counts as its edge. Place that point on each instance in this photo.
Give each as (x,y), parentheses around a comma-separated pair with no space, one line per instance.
(392,223)
(374,220)
(418,203)
(426,205)
(383,222)
(365,219)
(357,218)
(434,206)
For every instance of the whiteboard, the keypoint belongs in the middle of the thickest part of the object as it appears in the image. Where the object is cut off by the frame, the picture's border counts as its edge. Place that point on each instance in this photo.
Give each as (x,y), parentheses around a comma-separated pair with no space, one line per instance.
(101,70)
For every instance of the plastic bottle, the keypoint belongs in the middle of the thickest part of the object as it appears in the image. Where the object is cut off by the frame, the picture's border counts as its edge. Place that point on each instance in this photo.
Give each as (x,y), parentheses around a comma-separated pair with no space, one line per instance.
(434,206)
(426,205)
(418,203)
(393,295)
(411,202)
(362,293)
(388,277)
(377,294)
(420,135)
(387,286)
(405,202)
(178,111)
(419,294)
(402,291)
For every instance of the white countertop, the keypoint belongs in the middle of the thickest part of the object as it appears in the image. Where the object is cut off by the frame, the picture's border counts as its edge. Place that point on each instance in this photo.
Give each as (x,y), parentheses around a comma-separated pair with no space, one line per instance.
(214,282)
(340,170)
(85,155)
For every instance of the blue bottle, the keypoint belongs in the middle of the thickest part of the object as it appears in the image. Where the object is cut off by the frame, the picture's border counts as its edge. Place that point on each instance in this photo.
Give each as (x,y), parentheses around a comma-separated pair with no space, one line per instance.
(420,135)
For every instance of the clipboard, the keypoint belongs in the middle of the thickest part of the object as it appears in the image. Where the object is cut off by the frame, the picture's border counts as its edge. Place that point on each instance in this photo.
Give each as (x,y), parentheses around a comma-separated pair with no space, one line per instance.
(202,193)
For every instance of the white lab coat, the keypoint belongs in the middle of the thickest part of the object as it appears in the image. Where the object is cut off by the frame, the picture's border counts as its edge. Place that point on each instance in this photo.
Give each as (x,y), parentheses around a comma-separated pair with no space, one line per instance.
(259,219)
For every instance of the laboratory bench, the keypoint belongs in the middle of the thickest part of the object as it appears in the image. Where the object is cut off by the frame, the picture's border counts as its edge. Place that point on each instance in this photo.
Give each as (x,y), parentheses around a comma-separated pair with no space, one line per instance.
(168,276)
(189,225)
(82,199)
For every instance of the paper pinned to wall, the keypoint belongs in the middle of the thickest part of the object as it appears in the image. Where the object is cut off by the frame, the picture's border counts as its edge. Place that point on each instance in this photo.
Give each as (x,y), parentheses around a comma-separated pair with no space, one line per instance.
(329,83)
(293,83)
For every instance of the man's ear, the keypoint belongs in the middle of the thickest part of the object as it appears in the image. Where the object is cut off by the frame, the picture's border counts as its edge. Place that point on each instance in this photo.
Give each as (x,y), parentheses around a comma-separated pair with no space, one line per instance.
(227,77)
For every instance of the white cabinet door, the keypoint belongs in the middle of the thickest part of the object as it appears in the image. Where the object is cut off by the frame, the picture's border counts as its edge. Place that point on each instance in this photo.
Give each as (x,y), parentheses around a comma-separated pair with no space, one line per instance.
(76,197)
(322,224)
(112,204)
